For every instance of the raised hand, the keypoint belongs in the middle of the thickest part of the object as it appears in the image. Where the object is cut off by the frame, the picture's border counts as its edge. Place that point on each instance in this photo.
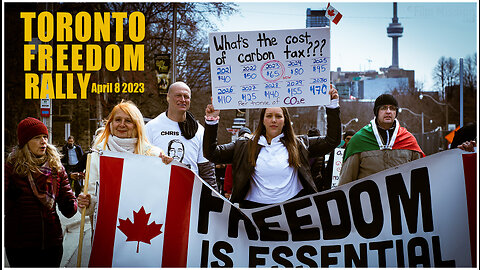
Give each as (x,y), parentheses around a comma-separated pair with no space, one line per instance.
(211,113)
(333,92)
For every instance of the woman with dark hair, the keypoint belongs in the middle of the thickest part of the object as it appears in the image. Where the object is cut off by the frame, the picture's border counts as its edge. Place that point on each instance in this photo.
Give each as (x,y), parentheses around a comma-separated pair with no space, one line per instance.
(273,165)
(35,184)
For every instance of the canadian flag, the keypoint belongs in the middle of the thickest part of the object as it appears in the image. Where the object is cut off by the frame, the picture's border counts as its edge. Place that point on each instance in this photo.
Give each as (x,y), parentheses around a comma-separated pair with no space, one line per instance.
(143,217)
(333,14)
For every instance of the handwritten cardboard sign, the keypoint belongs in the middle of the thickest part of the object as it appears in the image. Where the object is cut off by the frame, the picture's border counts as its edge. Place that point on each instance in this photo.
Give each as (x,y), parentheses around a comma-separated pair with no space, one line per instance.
(280,68)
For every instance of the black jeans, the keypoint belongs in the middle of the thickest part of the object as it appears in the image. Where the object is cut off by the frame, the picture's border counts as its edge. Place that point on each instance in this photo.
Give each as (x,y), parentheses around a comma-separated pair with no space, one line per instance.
(34,257)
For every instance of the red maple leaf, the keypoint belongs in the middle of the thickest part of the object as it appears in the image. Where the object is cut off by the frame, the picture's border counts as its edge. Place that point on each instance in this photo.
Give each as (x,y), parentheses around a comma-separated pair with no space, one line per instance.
(139,230)
(331,12)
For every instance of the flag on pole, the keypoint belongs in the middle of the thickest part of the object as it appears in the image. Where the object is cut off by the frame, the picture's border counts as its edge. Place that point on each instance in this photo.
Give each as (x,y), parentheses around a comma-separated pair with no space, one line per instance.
(143,217)
(333,14)
(449,136)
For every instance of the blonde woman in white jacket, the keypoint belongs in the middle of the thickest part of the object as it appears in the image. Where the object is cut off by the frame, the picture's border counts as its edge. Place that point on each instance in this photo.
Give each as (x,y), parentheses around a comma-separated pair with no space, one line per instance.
(124,132)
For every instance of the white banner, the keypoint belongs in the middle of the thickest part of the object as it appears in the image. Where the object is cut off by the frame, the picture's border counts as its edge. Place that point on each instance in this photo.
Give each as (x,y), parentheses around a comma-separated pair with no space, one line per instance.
(280,68)
(409,216)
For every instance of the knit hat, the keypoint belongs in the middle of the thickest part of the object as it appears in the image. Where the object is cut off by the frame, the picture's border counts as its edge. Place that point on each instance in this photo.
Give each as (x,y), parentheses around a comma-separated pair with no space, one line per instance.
(244,130)
(29,128)
(384,99)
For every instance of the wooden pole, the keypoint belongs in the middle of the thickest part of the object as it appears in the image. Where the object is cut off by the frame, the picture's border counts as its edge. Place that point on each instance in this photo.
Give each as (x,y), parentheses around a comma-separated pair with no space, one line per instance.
(82,222)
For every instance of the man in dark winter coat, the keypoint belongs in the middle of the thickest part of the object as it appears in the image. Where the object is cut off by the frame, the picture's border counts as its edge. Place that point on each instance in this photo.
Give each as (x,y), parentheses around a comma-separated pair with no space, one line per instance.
(72,155)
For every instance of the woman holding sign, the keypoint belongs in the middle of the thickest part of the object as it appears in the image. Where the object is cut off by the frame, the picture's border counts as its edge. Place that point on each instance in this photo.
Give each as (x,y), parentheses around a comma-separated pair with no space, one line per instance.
(272,166)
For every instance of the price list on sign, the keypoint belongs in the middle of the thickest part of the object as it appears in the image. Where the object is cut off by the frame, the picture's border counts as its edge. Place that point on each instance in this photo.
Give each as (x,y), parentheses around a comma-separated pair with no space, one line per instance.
(279,68)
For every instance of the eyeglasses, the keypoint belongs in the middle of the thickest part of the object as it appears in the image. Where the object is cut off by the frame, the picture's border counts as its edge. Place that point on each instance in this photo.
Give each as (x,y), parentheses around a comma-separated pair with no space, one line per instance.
(388,107)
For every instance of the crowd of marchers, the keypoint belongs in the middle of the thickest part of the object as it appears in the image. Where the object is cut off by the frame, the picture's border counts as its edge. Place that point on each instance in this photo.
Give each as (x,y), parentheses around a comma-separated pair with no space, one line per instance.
(270,165)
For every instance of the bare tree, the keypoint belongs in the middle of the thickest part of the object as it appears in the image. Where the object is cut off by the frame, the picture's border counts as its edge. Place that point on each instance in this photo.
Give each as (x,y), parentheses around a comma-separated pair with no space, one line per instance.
(445,74)
(191,57)
(193,24)
(402,88)
(452,72)
(440,74)
(419,85)
(470,71)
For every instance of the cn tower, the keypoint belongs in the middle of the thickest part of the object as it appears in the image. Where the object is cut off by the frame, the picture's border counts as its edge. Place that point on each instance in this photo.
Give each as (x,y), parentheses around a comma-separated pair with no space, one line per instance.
(394,30)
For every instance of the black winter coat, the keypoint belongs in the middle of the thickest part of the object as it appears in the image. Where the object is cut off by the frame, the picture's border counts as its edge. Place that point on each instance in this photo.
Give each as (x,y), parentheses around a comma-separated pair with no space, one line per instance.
(78,151)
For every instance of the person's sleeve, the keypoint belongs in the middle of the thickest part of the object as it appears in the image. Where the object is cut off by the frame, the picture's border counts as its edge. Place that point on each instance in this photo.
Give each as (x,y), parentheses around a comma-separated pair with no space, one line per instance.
(416,155)
(67,203)
(12,191)
(6,177)
(320,146)
(206,171)
(220,154)
(93,181)
(64,155)
(148,132)
(201,157)
(81,150)
(153,151)
(350,168)
(82,163)
(228,180)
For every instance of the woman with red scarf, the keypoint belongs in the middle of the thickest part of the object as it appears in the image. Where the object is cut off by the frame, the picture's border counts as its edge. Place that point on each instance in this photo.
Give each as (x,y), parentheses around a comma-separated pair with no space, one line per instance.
(35,184)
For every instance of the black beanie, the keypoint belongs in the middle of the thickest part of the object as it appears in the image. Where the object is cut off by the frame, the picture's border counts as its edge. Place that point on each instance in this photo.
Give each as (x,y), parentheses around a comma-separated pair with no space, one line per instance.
(384,99)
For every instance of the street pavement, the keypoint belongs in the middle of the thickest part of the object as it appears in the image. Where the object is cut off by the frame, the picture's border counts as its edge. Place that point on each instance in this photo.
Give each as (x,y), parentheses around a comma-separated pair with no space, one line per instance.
(71,235)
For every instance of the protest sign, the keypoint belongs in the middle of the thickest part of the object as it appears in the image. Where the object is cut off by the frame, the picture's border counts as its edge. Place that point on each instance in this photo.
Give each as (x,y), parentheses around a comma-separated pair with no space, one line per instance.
(337,165)
(280,68)
(409,216)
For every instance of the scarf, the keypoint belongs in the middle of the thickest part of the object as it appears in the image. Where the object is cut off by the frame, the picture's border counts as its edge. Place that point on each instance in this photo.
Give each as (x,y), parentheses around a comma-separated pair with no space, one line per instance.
(117,144)
(368,139)
(47,198)
(188,127)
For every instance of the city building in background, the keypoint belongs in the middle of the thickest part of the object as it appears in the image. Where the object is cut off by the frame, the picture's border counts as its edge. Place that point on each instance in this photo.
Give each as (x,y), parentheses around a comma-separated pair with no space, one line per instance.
(369,84)
(317,18)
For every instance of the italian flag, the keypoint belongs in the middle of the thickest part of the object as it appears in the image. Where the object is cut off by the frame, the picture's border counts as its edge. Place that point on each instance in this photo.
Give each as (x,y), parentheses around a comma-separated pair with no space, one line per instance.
(144,209)
(367,139)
